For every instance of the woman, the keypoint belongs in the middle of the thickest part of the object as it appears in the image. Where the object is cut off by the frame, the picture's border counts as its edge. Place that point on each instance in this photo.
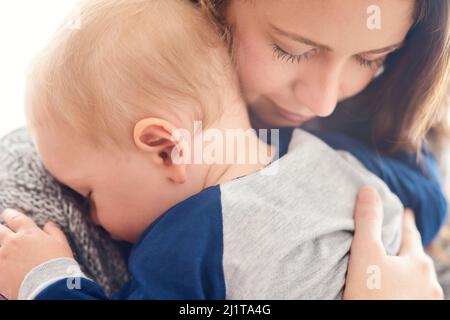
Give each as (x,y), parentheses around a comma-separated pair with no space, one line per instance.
(302,59)
(281,86)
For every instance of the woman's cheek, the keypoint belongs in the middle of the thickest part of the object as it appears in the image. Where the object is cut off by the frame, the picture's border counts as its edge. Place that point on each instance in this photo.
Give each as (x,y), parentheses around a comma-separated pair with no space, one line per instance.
(258,71)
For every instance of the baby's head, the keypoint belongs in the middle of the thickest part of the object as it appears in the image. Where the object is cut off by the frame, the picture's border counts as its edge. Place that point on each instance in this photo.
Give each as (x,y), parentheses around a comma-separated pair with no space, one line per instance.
(103,101)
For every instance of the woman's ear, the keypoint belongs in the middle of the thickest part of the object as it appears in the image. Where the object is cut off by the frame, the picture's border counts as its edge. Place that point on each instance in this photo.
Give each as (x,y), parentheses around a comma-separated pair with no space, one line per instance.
(156,137)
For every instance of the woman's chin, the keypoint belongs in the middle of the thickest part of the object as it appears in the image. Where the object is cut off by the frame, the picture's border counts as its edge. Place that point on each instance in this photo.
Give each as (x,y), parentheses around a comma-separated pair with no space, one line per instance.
(277,121)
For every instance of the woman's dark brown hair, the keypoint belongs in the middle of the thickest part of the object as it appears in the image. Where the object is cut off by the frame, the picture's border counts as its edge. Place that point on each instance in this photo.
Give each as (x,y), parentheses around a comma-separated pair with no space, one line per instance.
(408,102)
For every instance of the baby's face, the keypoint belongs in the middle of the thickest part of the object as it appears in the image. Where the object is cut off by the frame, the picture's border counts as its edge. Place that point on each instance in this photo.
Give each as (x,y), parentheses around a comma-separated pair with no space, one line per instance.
(127,192)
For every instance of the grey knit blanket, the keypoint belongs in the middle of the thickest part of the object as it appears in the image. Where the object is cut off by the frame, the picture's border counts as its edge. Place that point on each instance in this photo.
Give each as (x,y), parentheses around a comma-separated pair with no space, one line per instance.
(25,185)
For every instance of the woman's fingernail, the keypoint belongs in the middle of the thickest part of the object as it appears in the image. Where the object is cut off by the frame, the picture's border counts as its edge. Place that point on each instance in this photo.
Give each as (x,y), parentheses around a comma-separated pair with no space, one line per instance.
(368,194)
(410,214)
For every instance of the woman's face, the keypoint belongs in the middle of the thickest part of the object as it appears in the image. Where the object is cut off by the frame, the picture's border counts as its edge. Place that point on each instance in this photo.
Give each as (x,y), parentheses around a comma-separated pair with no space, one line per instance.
(298,58)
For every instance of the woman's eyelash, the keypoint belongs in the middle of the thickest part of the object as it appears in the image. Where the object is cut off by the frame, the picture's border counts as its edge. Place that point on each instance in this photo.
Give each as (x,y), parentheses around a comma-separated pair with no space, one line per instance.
(372,64)
(288,57)
(291,58)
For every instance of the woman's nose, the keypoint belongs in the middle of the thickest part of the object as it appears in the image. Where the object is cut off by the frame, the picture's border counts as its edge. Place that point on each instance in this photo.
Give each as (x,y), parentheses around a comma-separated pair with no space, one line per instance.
(319,91)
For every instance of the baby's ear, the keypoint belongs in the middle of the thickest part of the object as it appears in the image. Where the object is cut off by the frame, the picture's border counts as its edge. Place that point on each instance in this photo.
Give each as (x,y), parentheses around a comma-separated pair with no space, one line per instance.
(156,137)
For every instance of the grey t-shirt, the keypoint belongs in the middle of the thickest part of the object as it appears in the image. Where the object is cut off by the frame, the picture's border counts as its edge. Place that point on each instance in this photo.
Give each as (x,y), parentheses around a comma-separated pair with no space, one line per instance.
(288,235)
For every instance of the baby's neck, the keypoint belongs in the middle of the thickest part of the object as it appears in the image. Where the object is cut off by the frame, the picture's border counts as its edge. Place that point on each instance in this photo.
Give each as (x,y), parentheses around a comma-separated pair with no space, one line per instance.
(243,153)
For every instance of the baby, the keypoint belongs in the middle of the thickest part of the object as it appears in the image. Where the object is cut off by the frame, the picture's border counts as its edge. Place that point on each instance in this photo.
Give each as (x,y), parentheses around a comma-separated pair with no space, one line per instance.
(114,108)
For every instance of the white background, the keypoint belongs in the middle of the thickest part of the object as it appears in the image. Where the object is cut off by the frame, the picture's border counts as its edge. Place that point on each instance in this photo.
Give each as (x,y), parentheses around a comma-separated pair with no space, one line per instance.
(25,28)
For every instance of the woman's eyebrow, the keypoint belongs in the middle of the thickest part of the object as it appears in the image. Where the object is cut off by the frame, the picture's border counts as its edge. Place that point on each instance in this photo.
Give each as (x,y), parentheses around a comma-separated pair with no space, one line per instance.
(385,49)
(301,39)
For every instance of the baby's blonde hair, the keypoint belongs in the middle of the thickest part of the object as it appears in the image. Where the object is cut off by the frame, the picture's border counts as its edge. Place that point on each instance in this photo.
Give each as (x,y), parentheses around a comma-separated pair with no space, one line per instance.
(128,60)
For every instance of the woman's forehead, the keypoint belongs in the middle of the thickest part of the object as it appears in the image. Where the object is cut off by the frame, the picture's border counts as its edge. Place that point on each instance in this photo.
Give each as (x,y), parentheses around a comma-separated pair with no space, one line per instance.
(339,24)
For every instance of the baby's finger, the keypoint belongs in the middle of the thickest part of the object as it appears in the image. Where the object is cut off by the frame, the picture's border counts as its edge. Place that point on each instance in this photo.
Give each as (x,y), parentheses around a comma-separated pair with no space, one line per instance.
(54,230)
(17,221)
(4,233)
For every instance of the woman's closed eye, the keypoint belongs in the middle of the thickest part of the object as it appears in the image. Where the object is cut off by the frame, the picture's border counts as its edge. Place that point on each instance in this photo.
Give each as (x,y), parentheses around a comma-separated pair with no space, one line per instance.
(285,56)
(372,64)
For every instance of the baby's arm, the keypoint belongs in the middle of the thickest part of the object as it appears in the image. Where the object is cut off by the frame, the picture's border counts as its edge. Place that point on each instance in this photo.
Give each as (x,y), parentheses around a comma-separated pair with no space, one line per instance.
(23,246)
(39,262)
(418,187)
(60,279)
(179,257)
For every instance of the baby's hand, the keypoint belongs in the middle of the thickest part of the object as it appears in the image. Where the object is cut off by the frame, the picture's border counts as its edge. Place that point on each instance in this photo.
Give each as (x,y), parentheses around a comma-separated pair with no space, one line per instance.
(24,246)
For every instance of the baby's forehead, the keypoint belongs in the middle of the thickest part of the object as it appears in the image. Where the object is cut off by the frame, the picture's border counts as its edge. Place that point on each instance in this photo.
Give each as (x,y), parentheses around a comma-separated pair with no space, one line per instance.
(59,154)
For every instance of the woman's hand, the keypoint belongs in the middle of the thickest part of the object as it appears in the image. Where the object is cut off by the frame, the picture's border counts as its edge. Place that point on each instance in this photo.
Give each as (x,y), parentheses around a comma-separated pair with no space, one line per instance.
(372,274)
(23,246)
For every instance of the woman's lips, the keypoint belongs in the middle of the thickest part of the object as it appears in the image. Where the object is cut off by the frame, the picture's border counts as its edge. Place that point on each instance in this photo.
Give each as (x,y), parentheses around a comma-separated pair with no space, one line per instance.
(293,117)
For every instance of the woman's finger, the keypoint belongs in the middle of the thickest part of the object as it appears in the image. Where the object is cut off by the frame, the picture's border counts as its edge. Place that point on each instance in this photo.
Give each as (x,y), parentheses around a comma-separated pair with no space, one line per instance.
(368,221)
(411,240)
(17,221)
